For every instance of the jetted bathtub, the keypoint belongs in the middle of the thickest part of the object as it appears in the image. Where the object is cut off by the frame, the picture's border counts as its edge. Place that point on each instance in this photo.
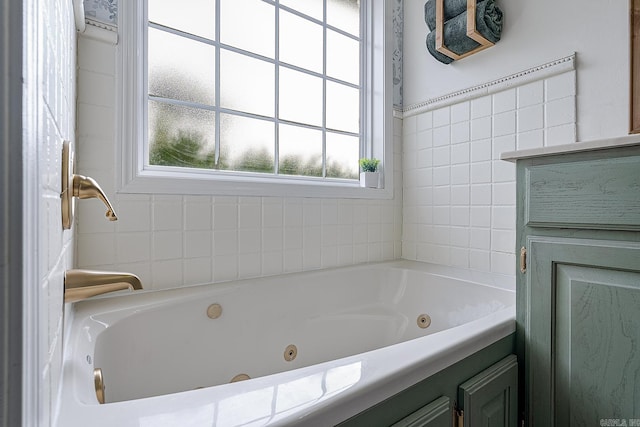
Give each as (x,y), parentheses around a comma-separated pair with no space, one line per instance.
(318,347)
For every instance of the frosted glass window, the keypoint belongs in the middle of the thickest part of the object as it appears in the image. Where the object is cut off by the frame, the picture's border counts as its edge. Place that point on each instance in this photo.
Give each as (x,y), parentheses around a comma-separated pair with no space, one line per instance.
(255,86)
(300,151)
(196,17)
(181,136)
(344,14)
(300,97)
(301,42)
(342,156)
(343,57)
(313,8)
(248,25)
(343,108)
(246,144)
(246,84)
(181,68)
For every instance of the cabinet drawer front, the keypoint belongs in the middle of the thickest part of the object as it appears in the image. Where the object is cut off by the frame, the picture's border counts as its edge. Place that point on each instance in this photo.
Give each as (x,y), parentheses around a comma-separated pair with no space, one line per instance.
(597,194)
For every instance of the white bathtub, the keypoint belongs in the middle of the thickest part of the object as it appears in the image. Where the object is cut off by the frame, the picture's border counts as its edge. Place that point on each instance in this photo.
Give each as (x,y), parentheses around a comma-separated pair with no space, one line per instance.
(165,362)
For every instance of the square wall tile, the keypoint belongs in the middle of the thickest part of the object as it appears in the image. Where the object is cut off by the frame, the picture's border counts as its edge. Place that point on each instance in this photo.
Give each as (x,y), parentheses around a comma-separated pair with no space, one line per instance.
(441,117)
(480,260)
(460,112)
(480,216)
(558,135)
(460,153)
(560,112)
(166,213)
(531,94)
(166,245)
(249,265)
(424,121)
(442,136)
(504,123)
(424,139)
(530,118)
(481,107)
(481,128)
(460,174)
(133,247)
(561,86)
(225,217)
(198,244)
(531,139)
(166,274)
(504,101)
(197,271)
(225,268)
(197,213)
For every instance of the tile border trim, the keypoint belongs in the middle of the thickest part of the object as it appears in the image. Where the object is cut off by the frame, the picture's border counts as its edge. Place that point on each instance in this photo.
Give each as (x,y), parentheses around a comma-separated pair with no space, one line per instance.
(539,72)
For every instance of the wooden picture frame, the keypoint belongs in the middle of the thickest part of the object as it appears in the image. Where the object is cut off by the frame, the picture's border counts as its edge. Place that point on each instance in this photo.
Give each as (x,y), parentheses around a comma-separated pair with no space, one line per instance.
(634,57)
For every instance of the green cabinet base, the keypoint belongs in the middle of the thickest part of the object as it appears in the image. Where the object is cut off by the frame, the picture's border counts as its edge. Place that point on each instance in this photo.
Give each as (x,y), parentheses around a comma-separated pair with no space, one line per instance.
(423,403)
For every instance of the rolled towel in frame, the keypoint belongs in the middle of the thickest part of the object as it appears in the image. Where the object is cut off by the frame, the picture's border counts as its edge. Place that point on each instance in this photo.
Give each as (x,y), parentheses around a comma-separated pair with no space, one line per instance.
(452,8)
(488,23)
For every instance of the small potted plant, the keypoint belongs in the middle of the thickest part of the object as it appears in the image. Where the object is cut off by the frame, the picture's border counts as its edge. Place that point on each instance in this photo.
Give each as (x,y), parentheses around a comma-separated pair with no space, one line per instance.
(369,177)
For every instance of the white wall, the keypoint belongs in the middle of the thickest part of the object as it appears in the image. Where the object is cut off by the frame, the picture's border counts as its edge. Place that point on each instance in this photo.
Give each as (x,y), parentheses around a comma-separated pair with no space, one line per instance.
(171,241)
(536,32)
(56,89)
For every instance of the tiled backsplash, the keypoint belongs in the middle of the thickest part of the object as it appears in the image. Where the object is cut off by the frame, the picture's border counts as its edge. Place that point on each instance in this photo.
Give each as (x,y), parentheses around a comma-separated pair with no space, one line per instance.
(459,197)
(172,241)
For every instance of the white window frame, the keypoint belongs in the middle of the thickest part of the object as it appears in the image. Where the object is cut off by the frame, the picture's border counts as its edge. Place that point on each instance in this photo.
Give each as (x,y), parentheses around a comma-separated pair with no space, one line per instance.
(377,122)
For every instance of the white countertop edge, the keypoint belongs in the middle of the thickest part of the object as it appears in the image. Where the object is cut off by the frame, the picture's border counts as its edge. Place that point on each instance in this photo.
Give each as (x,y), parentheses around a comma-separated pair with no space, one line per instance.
(596,144)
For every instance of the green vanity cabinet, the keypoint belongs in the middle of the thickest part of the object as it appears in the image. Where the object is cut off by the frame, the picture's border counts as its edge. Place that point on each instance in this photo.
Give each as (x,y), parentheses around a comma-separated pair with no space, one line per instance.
(490,398)
(480,390)
(578,290)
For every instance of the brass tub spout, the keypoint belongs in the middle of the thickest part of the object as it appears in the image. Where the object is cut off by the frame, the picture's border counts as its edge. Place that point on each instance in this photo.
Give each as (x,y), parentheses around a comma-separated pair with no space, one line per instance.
(82,284)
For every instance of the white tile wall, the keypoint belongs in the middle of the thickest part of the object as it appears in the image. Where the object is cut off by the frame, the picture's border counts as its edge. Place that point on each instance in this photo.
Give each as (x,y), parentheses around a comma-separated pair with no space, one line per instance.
(171,241)
(459,198)
(57,89)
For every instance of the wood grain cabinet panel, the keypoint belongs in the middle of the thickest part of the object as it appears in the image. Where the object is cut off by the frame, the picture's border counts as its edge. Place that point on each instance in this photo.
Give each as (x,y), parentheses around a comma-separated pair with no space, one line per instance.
(491,397)
(590,194)
(436,414)
(578,302)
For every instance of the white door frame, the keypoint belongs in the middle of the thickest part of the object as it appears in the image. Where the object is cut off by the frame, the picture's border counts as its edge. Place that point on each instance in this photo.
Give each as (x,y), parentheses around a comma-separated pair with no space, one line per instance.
(11,249)
(19,190)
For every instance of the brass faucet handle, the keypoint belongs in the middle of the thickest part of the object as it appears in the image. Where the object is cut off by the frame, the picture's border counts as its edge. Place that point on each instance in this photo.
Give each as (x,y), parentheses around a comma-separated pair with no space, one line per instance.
(85,187)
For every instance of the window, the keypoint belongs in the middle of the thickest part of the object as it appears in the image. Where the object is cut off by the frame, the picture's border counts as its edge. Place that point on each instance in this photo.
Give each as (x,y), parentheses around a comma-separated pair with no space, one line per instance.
(253,97)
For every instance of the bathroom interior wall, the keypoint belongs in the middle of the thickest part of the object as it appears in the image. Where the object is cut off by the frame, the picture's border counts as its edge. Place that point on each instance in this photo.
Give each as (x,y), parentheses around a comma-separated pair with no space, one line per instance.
(56,90)
(172,240)
(534,33)
(459,197)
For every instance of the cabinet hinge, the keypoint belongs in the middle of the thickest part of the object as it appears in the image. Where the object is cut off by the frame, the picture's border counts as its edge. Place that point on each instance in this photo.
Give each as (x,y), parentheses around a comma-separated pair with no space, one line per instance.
(523,260)
(458,416)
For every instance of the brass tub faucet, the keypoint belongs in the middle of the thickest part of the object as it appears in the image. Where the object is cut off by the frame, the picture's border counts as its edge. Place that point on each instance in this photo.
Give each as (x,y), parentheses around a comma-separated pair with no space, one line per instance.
(82,284)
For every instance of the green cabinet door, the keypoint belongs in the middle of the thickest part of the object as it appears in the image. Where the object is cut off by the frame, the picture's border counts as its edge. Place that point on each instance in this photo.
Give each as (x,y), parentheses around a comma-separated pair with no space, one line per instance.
(491,398)
(436,414)
(583,331)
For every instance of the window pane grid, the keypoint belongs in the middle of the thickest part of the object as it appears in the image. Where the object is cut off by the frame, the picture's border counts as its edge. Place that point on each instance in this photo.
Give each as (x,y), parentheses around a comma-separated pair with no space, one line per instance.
(277,119)
(222,110)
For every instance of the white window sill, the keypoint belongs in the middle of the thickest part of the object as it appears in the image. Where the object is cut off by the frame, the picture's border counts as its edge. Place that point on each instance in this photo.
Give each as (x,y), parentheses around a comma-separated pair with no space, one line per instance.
(172,182)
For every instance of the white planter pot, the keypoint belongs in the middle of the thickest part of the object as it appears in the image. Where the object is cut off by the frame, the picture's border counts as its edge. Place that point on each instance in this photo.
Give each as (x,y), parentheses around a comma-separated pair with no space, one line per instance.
(369,179)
